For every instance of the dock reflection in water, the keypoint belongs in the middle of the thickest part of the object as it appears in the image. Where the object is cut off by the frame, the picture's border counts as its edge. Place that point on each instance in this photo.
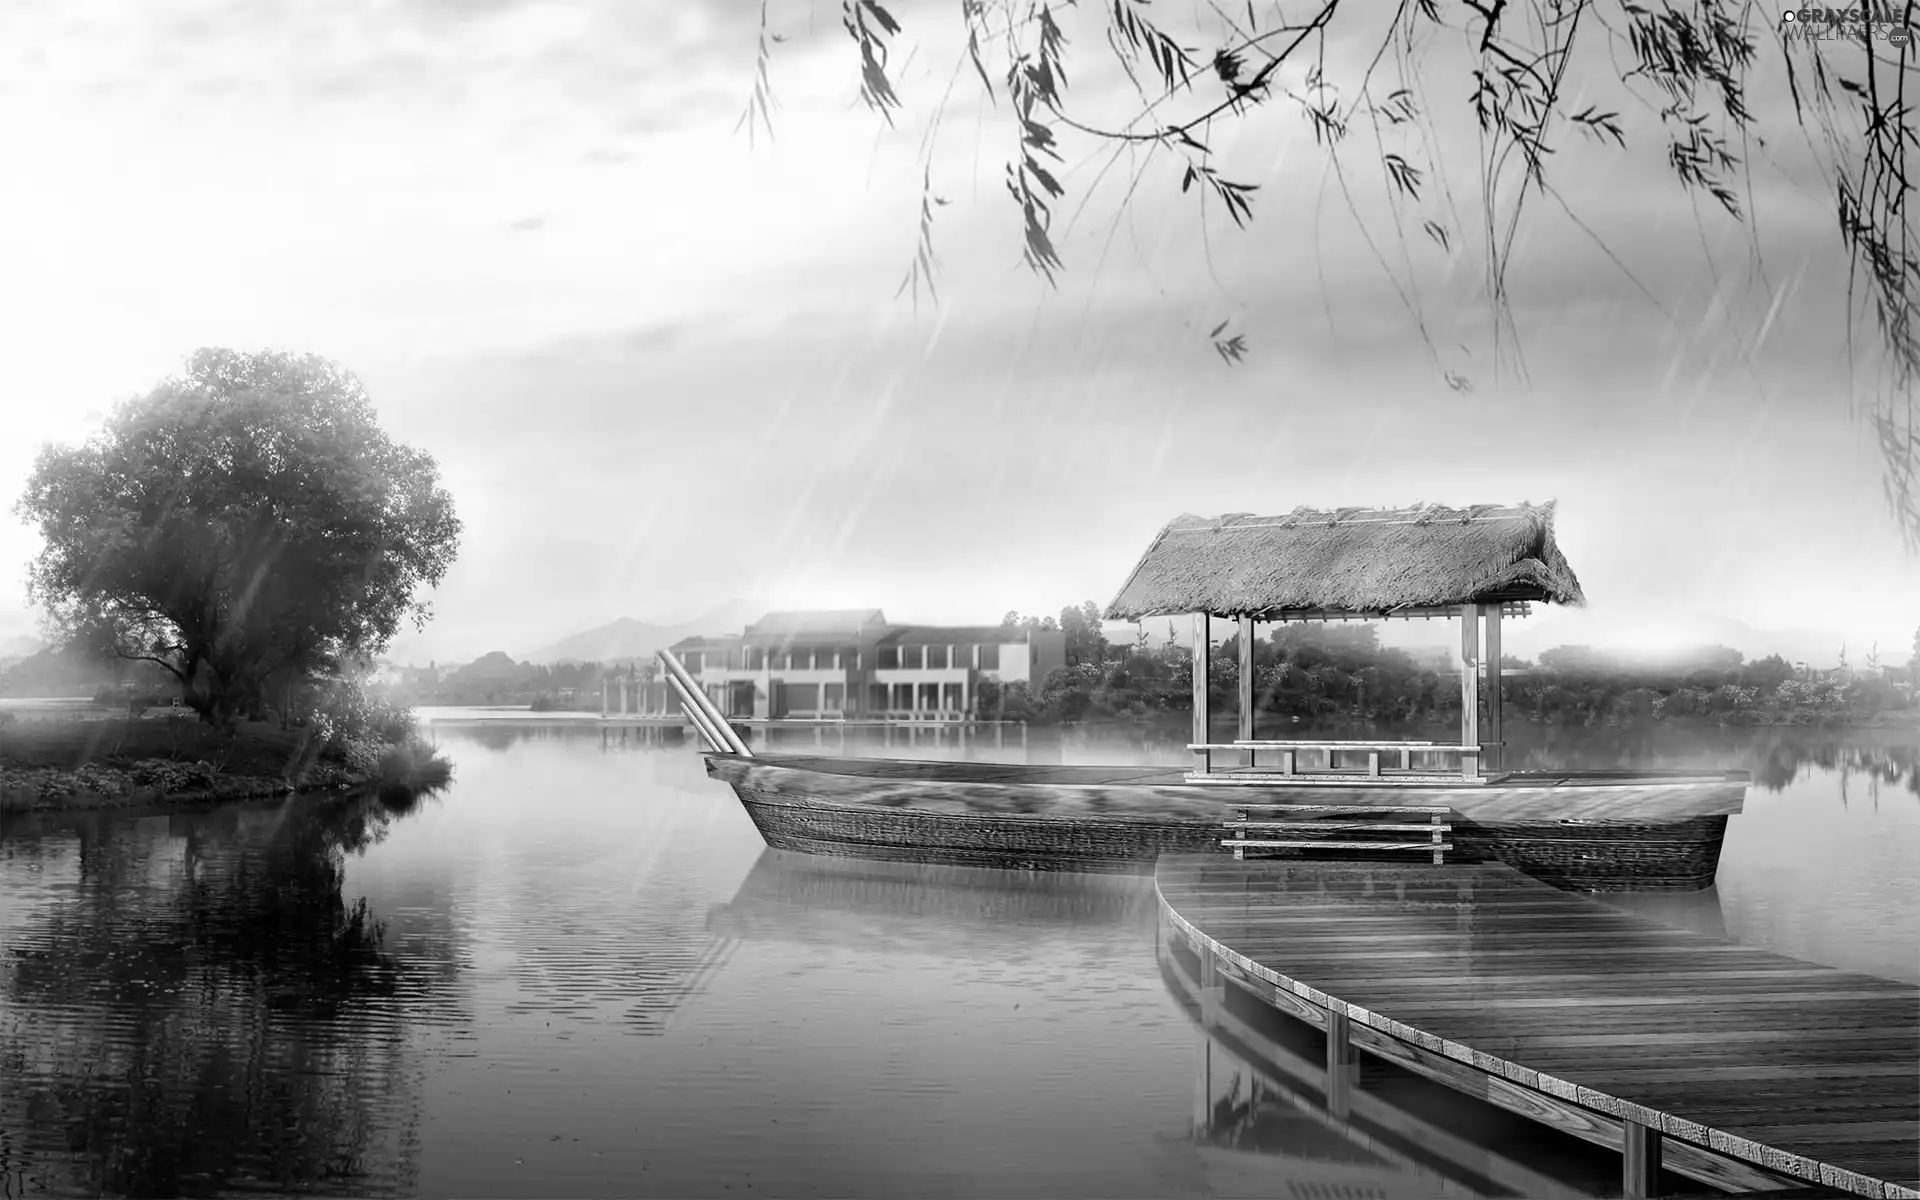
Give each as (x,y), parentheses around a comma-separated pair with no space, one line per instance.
(1250,1137)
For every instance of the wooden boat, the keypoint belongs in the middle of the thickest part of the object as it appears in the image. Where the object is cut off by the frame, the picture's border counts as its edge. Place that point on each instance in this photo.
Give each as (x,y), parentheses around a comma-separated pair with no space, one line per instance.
(1585,830)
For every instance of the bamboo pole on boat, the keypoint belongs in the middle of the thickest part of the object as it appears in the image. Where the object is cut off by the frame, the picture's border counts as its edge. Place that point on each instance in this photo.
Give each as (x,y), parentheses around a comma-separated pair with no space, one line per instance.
(701,711)
(1202,760)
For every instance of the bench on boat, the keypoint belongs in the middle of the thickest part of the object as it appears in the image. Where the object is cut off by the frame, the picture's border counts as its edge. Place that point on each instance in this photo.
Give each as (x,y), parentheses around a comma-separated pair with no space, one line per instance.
(1348,828)
(1290,769)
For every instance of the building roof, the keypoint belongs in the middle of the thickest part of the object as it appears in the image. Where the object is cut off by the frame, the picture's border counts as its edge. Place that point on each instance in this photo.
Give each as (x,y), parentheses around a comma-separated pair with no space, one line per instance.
(953,634)
(1350,561)
(816,625)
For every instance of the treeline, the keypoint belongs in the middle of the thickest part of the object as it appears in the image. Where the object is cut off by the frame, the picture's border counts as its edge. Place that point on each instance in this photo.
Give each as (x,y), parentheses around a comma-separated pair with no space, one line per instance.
(1342,671)
(498,679)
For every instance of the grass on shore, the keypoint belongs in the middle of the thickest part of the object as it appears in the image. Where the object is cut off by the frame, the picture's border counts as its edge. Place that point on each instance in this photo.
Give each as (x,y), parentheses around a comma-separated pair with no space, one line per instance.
(261,749)
(71,741)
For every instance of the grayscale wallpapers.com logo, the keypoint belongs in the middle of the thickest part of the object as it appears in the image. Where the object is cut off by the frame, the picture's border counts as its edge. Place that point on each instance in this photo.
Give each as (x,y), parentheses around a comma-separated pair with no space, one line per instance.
(1878,22)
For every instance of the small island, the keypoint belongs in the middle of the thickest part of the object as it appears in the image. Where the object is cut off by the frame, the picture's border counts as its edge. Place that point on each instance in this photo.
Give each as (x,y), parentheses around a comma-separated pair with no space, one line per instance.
(236,548)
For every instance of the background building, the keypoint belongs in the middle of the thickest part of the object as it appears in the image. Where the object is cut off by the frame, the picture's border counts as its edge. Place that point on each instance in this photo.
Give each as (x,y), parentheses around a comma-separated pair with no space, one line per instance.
(852,663)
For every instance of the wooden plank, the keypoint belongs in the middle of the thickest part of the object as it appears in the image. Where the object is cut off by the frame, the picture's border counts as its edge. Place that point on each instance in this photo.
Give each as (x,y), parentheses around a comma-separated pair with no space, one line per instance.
(1318,825)
(1340,808)
(1315,844)
(1694,1162)
(1292,1075)
(1336,779)
(1417,747)
(1768,1063)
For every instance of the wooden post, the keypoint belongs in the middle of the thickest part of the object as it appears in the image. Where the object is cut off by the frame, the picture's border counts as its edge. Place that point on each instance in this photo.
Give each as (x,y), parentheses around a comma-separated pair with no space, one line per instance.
(1202,761)
(1246,683)
(1469,680)
(603,696)
(1212,987)
(1203,1085)
(1341,1064)
(1494,750)
(1640,1161)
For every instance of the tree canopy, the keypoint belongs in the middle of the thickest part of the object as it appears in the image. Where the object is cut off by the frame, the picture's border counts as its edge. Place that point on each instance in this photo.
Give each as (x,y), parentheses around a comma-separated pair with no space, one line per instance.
(1536,77)
(245,521)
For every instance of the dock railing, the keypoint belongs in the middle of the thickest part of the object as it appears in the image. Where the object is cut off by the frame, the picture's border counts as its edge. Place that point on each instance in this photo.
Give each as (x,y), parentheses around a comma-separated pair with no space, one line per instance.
(1462,763)
(706,716)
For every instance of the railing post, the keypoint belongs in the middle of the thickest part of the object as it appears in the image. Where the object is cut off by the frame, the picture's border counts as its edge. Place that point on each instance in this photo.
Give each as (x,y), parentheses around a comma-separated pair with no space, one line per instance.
(1342,1066)
(1640,1161)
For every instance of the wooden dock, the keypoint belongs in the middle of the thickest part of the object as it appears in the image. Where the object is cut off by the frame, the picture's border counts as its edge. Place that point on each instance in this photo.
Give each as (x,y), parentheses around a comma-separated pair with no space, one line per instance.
(1740,1069)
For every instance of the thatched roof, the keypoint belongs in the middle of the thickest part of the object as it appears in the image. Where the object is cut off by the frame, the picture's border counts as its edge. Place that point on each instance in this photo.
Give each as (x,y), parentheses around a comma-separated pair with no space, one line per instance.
(1349,561)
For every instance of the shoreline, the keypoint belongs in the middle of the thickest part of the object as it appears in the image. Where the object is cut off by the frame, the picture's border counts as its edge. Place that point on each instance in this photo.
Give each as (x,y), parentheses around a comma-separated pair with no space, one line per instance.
(93,788)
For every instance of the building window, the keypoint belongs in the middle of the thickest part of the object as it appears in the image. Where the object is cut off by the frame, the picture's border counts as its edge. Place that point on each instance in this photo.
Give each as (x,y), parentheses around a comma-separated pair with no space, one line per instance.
(736,659)
(936,658)
(692,662)
(801,660)
(877,697)
(835,699)
(910,657)
(829,662)
(952,698)
(903,696)
(756,659)
(889,658)
(929,697)
(963,657)
(990,658)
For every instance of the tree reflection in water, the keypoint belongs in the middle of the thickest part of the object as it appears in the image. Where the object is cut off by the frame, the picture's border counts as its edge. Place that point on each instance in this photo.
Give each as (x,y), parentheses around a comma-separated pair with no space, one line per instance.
(188,1005)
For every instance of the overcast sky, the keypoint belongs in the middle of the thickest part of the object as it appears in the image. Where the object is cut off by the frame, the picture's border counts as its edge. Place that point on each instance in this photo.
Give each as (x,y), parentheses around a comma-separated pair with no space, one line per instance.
(662,368)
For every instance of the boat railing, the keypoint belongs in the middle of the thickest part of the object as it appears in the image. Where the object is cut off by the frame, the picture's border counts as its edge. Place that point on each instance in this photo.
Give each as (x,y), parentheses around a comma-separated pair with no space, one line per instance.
(1368,828)
(1385,761)
(702,711)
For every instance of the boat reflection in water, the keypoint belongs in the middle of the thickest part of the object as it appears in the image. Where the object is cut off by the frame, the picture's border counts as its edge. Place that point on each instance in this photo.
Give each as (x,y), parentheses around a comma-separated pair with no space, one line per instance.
(965,912)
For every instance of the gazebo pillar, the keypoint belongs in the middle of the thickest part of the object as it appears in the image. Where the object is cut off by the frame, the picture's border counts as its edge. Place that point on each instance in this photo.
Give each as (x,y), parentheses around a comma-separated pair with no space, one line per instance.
(1246,683)
(1202,760)
(1469,676)
(1494,748)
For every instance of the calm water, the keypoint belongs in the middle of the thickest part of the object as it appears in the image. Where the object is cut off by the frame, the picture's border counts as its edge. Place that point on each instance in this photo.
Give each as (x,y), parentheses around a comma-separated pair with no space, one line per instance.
(579,972)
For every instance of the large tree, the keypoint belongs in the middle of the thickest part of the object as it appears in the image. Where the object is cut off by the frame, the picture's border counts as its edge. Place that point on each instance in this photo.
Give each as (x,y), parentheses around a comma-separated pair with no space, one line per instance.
(1530,78)
(245,520)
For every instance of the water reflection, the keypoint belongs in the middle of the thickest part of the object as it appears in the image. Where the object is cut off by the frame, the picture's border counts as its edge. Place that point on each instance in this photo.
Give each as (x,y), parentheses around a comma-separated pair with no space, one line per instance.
(191,1006)
(1261,1125)
(962,912)
(581,972)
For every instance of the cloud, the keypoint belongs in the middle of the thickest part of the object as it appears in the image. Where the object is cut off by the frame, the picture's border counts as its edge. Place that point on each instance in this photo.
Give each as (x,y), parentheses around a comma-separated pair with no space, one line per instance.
(527,224)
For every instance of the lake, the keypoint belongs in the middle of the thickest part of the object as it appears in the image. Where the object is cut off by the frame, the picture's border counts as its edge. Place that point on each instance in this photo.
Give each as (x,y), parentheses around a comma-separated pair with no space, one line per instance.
(579,972)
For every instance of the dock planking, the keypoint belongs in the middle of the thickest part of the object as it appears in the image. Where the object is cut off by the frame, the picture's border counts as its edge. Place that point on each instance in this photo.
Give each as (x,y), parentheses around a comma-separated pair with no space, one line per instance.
(1801,1070)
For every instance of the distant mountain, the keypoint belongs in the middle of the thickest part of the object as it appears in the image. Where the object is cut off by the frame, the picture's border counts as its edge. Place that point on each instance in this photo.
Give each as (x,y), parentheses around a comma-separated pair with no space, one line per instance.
(494,666)
(631,638)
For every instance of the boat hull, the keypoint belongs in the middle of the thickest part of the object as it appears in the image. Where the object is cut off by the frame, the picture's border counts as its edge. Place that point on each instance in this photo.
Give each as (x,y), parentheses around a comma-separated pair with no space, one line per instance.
(1650,833)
